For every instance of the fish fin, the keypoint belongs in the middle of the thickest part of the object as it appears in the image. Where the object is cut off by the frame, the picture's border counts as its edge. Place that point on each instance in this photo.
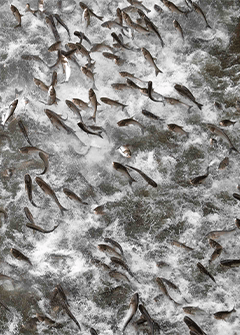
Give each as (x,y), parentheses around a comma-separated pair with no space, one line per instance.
(207,26)
(63,210)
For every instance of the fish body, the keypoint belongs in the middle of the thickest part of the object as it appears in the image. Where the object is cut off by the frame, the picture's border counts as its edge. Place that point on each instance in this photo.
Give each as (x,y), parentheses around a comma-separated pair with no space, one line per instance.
(184,91)
(227,123)
(113,24)
(118,275)
(30,150)
(218,233)
(173,101)
(44,158)
(125,151)
(94,103)
(55,46)
(66,67)
(71,195)
(86,130)
(223,164)
(24,131)
(199,179)
(230,263)
(41,84)
(120,86)
(130,121)
(88,73)
(58,18)
(86,17)
(57,122)
(138,4)
(80,103)
(48,190)
(193,310)
(222,315)
(50,22)
(101,46)
(217,252)
(111,102)
(122,169)
(176,25)
(205,271)
(164,290)
(54,79)
(173,8)
(74,109)
(200,12)
(40,229)
(28,188)
(150,115)
(118,40)
(181,245)
(150,60)
(193,326)
(145,177)
(151,27)
(51,97)
(10,112)
(18,255)
(17,15)
(29,215)
(109,250)
(84,6)
(114,243)
(146,315)
(177,129)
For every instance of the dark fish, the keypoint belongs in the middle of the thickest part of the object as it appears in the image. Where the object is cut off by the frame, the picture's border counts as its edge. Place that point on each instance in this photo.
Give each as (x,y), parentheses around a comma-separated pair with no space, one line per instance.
(181,245)
(54,79)
(33,57)
(122,169)
(193,310)
(224,163)
(177,129)
(130,121)
(164,290)
(45,161)
(118,261)
(176,24)
(99,210)
(17,15)
(218,131)
(4,214)
(230,263)
(227,123)
(217,252)
(118,40)
(222,315)
(82,36)
(29,215)
(205,271)
(199,179)
(145,313)
(28,188)
(184,91)
(41,84)
(50,21)
(114,243)
(93,331)
(58,18)
(218,233)
(86,130)
(71,195)
(17,254)
(47,190)
(145,177)
(200,12)
(30,150)
(40,229)
(112,102)
(193,326)
(151,115)
(108,250)
(132,310)
(24,131)
(55,46)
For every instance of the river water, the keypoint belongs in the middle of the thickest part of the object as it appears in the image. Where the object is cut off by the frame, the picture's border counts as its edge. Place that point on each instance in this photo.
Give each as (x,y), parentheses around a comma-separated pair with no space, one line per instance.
(144,220)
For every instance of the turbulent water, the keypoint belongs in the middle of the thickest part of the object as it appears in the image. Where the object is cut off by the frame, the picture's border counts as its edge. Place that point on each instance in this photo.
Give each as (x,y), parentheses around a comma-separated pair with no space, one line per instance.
(144,220)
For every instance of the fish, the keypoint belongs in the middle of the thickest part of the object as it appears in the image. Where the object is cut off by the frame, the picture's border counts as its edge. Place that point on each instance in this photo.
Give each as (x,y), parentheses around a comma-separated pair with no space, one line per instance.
(151,27)
(30,150)
(145,313)
(93,331)
(28,188)
(117,261)
(41,84)
(94,103)
(122,169)
(34,57)
(158,9)
(24,131)
(193,326)
(118,40)
(149,92)
(130,121)
(18,255)
(57,122)
(236,196)
(151,115)
(10,112)
(109,250)
(184,91)
(80,103)
(82,36)
(101,46)
(138,4)
(29,215)
(200,179)
(177,129)
(193,310)
(50,22)
(173,101)
(120,86)
(223,164)
(181,245)
(230,263)
(69,313)
(133,306)
(86,17)
(222,315)
(214,244)
(89,74)
(118,61)
(17,15)
(118,275)
(111,102)
(51,97)
(114,243)
(44,158)
(173,8)
(200,12)
(74,109)
(170,284)
(164,290)
(65,66)
(55,46)
(125,151)
(71,195)
(145,177)
(150,60)
(205,271)
(131,84)
(40,229)
(113,24)
(58,18)
(130,75)
(54,79)
(227,123)
(218,233)
(48,190)
(217,252)
(176,25)
(5,215)
(84,6)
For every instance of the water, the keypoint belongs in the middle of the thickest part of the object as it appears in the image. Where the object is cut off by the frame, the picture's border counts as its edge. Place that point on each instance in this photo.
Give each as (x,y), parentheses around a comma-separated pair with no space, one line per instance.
(142,219)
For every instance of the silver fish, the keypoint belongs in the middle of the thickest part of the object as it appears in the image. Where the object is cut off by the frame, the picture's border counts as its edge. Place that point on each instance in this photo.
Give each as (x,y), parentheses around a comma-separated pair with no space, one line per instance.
(122,169)
(10,112)
(132,310)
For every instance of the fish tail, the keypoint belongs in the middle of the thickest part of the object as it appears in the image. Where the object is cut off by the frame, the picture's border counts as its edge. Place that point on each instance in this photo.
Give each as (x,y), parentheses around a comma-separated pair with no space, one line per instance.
(189,108)
(33,203)
(207,26)
(62,209)
(199,105)
(233,149)
(131,181)
(157,71)
(124,106)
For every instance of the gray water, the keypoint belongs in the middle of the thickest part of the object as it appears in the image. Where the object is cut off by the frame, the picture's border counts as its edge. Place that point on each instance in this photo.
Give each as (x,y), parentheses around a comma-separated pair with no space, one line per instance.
(142,219)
